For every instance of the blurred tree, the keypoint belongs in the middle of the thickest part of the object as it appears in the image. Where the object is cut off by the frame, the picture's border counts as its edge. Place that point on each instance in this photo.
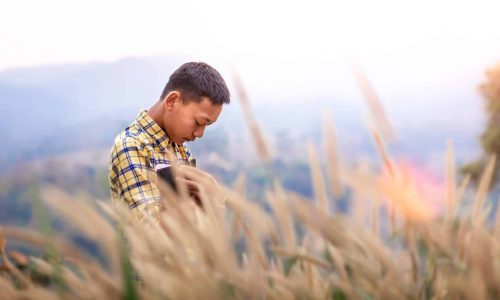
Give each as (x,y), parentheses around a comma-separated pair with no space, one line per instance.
(490,138)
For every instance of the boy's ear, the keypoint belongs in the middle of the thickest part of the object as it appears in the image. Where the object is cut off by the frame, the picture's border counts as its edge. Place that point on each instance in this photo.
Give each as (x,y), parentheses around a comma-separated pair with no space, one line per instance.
(171,99)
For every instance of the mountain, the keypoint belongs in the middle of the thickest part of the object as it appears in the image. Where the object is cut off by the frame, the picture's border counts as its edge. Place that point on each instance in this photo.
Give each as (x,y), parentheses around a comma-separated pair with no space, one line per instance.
(51,110)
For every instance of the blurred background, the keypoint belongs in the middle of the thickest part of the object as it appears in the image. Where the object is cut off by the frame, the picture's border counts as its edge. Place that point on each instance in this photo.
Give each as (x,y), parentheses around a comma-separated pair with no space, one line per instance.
(73,74)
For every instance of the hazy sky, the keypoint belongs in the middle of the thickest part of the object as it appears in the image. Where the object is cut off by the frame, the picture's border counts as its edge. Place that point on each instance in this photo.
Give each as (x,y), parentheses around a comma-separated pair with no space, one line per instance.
(58,31)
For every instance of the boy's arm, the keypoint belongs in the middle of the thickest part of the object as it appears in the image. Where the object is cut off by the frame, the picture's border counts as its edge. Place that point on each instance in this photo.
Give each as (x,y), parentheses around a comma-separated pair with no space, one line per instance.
(132,178)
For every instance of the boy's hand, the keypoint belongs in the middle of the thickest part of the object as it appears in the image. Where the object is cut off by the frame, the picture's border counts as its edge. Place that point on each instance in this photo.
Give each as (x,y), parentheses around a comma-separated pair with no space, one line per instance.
(198,182)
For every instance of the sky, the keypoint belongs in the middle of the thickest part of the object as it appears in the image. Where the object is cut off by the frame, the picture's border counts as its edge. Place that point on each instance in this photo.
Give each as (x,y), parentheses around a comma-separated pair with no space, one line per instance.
(243,32)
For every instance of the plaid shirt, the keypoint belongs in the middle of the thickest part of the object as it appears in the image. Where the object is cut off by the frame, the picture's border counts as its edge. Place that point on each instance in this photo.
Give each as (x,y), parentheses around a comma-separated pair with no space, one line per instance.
(138,149)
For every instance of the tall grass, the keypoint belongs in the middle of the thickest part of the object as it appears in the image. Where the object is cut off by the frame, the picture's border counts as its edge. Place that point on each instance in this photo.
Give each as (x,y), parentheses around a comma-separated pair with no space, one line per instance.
(393,245)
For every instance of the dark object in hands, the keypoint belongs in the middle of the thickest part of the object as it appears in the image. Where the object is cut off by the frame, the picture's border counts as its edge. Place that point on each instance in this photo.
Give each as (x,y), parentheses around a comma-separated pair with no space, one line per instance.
(167,176)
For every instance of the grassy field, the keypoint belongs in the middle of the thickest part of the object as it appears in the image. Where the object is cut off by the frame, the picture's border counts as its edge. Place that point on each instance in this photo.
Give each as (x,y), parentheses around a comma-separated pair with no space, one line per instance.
(396,242)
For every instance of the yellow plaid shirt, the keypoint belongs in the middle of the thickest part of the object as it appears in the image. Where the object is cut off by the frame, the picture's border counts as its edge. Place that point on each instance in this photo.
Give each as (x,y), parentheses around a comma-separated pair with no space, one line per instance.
(137,150)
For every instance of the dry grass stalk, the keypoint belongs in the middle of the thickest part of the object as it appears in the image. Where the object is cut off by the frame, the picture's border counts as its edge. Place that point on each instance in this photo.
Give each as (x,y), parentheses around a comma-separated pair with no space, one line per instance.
(373,102)
(24,281)
(81,214)
(317,180)
(281,211)
(497,222)
(450,180)
(483,187)
(332,155)
(382,152)
(258,137)
(240,188)
(363,182)
(375,217)
(460,194)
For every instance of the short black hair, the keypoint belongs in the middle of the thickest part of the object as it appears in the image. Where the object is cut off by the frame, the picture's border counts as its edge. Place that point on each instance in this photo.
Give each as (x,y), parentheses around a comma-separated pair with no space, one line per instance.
(196,80)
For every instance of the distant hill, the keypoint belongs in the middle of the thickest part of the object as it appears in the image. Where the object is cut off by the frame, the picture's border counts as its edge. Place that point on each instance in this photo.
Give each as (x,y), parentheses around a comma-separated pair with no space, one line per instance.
(58,109)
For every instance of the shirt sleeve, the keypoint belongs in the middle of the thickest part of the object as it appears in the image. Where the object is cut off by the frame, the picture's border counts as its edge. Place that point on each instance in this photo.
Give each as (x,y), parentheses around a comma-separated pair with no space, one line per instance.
(132,178)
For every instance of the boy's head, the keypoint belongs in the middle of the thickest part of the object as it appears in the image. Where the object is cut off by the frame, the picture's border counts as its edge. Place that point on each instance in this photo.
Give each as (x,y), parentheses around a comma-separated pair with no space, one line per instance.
(195,80)
(193,99)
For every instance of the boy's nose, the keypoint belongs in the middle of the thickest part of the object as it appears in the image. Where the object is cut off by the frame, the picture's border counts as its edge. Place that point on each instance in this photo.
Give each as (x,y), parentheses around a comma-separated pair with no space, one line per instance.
(199,132)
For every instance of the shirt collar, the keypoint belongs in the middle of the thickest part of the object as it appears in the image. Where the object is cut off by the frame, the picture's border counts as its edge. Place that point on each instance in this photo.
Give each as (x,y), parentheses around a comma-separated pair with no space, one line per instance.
(153,129)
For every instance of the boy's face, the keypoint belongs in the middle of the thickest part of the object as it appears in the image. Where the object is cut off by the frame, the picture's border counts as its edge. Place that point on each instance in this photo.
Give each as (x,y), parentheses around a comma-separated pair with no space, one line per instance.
(186,122)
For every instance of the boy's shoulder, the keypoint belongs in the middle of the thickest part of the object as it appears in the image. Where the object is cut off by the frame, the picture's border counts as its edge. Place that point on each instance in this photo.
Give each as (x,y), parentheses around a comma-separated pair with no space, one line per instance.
(130,137)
